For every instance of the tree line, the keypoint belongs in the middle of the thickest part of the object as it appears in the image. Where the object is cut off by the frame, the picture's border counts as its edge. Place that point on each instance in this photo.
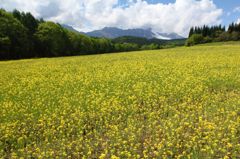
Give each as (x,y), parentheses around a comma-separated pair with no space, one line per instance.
(24,36)
(205,34)
(150,44)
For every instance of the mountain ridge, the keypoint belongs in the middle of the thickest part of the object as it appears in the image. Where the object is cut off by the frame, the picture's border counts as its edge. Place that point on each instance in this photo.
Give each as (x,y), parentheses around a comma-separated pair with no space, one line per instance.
(114,32)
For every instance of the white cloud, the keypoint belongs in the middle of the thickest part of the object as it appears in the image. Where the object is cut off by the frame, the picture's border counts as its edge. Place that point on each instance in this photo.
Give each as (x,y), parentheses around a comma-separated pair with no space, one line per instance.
(86,15)
(236,9)
(238,21)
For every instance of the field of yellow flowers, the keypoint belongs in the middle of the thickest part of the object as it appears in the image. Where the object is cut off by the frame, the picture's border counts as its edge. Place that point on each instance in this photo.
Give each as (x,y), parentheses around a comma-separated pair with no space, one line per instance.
(173,103)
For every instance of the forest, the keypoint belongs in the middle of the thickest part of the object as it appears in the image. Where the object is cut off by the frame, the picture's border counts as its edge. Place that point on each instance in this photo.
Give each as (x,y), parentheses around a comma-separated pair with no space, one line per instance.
(206,34)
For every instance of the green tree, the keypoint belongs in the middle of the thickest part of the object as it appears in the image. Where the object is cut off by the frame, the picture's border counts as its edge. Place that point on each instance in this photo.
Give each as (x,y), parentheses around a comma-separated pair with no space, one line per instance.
(75,47)
(80,44)
(150,47)
(102,45)
(191,32)
(195,39)
(5,45)
(235,35)
(52,39)
(13,35)
(87,45)
(29,21)
(224,36)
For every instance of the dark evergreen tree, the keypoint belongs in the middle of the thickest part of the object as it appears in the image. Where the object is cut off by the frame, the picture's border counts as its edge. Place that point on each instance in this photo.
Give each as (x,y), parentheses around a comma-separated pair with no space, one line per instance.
(31,24)
(191,32)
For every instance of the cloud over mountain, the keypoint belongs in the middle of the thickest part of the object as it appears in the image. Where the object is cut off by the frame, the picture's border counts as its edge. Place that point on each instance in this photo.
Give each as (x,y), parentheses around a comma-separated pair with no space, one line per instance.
(89,15)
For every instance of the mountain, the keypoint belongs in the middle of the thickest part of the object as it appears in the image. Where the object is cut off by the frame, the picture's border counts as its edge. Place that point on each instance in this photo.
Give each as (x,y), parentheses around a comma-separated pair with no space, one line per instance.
(112,32)
(69,28)
(168,36)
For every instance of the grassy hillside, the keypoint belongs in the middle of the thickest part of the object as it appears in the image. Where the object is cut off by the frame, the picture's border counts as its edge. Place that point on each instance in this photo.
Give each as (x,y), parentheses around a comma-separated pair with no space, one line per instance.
(182,102)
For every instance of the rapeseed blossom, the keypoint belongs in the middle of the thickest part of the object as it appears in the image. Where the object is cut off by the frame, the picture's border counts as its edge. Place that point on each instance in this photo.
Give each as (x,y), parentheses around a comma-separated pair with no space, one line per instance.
(176,103)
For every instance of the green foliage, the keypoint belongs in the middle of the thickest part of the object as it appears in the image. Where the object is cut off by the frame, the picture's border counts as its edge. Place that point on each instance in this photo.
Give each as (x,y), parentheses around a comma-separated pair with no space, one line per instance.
(31,24)
(235,35)
(213,34)
(126,47)
(102,45)
(195,39)
(52,39)
(207,39)
(28,20)
(212,31)
(14,35)
(79,44)
(150,47)
(5,44)
(143,42)
(234,27)
(225,36)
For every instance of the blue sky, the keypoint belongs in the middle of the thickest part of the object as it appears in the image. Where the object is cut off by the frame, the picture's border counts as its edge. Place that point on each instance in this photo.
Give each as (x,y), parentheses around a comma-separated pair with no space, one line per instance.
(165,16)
(228,6)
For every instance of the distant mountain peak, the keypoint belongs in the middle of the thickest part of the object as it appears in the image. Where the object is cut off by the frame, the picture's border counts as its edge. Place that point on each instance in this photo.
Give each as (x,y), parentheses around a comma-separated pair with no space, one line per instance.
(69,27)
(110,28)
(168,36)
(114,32)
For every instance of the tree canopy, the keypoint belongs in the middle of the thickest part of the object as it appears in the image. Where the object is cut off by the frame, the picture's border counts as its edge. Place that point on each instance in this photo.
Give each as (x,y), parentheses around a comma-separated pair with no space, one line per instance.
(13,37)
(207,34)
(52,39)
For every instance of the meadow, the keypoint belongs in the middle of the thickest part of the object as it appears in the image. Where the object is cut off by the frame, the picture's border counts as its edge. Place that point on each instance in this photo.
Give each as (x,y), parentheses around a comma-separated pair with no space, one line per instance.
(174,103)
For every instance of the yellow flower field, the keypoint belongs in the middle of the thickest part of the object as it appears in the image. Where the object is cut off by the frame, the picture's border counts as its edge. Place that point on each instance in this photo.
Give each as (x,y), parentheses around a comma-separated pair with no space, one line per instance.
(173,103)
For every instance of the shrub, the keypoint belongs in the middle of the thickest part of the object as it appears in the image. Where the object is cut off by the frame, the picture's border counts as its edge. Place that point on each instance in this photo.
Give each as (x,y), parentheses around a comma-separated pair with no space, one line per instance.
(195,39)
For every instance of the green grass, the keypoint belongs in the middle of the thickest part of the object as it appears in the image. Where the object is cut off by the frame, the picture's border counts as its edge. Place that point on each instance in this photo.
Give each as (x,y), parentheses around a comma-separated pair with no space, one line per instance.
(174,103)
